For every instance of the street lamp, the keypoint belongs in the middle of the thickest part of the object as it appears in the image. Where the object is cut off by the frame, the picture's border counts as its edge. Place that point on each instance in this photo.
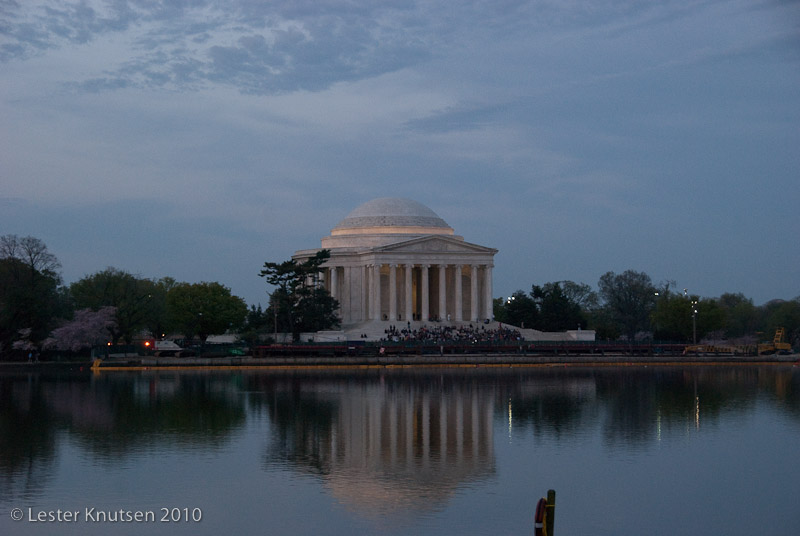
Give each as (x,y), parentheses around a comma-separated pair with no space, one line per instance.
(200,329)
(694,321)
(657,295)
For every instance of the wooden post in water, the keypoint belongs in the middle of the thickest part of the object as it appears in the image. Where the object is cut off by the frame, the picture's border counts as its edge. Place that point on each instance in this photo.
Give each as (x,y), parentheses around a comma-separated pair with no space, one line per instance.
(545,515)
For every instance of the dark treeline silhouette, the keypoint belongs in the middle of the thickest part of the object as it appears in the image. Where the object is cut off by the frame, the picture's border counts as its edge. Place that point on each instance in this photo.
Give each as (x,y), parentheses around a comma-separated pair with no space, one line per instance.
(39,313)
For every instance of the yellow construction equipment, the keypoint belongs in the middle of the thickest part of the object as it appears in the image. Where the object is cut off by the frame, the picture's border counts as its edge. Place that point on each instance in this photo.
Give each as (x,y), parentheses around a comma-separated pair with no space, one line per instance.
(720,349)
(777,346)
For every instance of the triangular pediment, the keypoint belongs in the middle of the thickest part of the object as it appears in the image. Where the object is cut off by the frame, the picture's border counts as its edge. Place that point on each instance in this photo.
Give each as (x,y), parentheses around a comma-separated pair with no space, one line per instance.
(434,244)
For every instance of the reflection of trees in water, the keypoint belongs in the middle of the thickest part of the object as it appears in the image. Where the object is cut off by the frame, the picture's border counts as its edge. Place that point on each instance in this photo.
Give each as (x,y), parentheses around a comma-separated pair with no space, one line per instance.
(111,416)
(629,400)
(633,405)
(155,410)
(27,437)
(642,403)
(302,423)
(549,402)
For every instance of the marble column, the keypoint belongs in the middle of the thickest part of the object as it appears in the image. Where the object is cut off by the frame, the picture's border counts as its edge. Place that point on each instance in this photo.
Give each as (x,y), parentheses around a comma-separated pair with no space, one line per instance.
(334,283)
(459,298)
(369,312)
(363,294)
(473,293)
(409,313)
(442,292)
(392,292)
(487,270)
(376,291)
(346,299)
(423,272)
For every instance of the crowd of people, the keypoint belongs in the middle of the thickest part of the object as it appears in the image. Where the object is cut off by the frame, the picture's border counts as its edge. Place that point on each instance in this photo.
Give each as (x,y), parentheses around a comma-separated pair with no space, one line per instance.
(446,333)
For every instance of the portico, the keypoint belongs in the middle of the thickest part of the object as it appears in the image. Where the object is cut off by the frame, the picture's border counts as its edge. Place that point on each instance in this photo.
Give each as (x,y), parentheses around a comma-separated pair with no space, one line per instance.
(396,260)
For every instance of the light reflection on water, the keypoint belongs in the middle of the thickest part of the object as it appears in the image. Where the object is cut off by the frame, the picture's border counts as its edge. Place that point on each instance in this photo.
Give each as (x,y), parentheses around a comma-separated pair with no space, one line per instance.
(407,451)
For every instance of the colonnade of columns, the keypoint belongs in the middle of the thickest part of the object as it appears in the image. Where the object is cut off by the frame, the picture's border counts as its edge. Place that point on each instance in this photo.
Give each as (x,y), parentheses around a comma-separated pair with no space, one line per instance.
(420,292)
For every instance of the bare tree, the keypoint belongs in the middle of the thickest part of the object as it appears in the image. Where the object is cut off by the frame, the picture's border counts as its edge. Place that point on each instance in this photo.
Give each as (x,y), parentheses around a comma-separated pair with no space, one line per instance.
(29,282)
(31,253)
(35,255)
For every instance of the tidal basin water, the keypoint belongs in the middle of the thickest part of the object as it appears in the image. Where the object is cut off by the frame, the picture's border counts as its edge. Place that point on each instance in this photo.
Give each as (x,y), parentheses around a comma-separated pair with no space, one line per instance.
(710,450)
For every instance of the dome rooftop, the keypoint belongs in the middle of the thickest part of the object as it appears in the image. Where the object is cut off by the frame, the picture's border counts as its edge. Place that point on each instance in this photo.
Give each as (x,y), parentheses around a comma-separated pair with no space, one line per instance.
(392,215)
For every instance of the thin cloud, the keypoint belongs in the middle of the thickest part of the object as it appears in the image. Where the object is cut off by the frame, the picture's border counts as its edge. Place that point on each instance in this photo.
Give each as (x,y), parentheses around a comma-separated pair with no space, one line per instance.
(261,49)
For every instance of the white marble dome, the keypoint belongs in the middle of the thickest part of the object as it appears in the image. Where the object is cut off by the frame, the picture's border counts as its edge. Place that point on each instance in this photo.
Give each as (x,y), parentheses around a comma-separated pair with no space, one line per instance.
(395,259)
(392,215)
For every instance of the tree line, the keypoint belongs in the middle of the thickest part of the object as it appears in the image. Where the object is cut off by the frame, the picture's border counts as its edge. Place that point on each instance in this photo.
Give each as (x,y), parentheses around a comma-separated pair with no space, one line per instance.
(631,306)
(37,311)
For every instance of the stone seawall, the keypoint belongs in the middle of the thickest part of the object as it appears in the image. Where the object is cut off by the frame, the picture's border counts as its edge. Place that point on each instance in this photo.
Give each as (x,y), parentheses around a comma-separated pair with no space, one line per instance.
(466,360)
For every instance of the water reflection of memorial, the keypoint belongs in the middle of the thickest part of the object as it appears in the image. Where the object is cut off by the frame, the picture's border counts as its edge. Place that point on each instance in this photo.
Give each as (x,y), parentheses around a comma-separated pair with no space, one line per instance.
(386,446)
(381,441)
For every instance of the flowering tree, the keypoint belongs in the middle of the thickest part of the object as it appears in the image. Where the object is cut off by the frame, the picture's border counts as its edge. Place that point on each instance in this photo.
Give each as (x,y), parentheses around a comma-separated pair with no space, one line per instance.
(88,328)
(130,295)
(24,342)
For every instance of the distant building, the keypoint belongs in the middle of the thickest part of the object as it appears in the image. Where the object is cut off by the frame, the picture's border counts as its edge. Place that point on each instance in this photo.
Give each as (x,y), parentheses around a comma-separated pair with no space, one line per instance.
(396,260)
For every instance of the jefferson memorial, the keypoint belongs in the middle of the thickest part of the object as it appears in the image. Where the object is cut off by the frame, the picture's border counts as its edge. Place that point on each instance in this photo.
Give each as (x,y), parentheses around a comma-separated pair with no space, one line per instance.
(395,259)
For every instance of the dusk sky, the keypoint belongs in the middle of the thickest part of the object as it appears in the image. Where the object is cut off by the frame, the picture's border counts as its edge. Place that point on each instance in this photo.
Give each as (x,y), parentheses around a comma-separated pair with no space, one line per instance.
(197,139)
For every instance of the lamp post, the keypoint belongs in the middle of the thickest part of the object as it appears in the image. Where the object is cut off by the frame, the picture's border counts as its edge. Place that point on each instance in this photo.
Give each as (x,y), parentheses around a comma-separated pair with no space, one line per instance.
(694,321)
(506,314)
(200,332)
(657,295)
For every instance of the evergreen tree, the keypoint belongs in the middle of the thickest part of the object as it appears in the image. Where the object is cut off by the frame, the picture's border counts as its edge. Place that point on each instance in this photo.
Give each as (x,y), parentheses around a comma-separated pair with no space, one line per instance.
(301,303)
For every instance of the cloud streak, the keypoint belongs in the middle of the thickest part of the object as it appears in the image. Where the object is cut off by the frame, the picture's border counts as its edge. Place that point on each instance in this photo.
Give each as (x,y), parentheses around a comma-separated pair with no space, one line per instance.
(258,48)
(275,47)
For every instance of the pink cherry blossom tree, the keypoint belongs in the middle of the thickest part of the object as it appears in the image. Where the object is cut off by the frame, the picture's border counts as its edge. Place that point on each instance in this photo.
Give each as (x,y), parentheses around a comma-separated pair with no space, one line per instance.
(87,328)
